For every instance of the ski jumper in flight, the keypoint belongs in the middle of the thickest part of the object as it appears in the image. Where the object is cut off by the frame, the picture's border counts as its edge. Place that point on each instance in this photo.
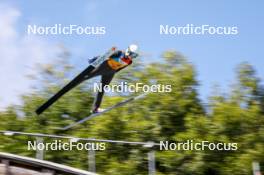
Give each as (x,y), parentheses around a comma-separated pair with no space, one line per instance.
(116,62)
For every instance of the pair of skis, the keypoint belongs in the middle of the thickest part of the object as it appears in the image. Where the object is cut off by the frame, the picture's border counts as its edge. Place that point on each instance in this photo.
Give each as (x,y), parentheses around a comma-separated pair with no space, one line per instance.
(104,111)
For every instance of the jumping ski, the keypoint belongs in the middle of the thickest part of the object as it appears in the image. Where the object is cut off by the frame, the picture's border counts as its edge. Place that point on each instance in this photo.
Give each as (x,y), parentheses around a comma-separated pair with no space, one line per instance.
(105,110)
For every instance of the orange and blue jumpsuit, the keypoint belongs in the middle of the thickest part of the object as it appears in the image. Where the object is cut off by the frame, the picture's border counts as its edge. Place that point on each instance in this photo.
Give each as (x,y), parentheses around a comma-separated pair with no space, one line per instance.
(107,70)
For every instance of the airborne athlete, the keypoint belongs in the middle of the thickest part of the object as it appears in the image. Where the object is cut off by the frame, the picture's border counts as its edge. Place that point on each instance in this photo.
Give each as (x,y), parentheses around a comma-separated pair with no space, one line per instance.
(106,66)
(116,62)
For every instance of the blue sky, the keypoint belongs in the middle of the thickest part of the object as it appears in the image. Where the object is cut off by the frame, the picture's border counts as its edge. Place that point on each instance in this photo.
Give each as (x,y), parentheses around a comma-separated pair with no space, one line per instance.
(215,57)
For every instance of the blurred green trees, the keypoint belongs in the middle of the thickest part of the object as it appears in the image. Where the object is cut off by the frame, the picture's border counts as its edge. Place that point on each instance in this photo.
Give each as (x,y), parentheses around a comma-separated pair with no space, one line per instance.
(237,116)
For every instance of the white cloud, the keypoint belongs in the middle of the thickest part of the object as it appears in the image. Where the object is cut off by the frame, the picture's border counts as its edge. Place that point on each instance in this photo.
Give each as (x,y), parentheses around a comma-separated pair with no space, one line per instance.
(18,54)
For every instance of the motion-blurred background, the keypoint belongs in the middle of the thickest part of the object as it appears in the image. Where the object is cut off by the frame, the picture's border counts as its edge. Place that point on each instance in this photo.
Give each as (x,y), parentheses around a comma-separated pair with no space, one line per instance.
(217,82)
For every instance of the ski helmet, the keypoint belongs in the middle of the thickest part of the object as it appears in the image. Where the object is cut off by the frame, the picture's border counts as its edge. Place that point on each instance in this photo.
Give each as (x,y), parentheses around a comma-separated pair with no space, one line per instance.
(132,51)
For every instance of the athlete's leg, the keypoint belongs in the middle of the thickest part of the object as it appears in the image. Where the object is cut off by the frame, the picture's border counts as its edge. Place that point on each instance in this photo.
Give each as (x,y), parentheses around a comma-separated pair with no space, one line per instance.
(106,79)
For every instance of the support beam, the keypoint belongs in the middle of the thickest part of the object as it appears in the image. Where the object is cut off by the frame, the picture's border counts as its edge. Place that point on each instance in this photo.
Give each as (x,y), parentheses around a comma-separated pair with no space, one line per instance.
(39,153)
(151,163)
(91,160)
(256,168)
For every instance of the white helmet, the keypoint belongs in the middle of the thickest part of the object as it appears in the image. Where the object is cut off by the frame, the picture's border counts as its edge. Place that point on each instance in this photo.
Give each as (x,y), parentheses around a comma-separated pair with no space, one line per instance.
(132,51)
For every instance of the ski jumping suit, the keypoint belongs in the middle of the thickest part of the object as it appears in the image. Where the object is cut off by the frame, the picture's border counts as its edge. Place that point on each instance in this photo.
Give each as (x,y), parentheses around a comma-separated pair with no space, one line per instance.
(107,70)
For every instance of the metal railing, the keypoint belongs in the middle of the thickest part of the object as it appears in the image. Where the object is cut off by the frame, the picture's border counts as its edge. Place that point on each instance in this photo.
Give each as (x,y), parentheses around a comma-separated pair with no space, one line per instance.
(91,153)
